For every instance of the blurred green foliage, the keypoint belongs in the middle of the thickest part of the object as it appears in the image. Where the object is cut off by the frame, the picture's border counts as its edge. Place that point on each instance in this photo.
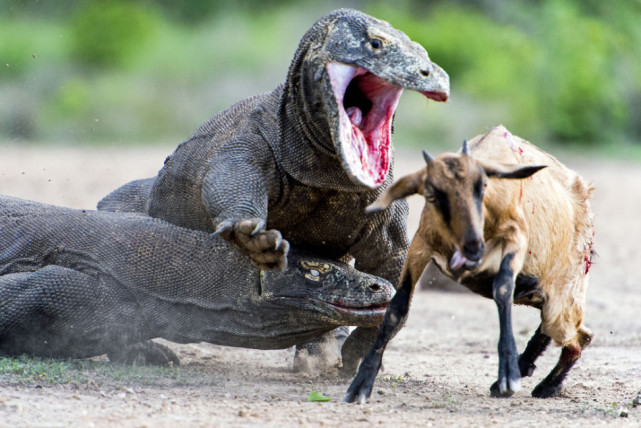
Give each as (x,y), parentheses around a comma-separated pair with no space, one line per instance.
(561,69)
(150,70)
(108,32)
(18,39)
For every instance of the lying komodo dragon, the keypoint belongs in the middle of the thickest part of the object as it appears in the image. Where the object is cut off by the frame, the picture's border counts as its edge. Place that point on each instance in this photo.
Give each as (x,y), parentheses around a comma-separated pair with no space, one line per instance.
(303,161)
(83,283)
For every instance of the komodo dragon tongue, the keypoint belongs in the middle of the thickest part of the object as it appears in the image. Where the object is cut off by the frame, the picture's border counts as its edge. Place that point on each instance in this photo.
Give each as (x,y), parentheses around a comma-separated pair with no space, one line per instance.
(360,65)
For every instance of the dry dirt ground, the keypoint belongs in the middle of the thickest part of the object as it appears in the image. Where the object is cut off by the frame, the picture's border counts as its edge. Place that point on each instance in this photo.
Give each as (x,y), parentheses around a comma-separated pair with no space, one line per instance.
(437,370)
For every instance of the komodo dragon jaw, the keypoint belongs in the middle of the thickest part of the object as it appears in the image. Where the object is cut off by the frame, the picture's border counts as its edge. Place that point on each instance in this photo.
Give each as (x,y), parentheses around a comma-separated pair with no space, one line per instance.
(333,291)
(340,96)
(369,64)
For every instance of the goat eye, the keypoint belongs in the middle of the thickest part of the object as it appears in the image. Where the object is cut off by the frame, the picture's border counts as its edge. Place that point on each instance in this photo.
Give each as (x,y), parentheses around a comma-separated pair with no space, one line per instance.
(479,188)
(429,197)
(429,193)
(376,44)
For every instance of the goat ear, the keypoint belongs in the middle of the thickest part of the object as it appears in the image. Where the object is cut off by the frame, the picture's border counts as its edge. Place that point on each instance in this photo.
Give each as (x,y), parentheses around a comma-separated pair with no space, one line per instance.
(516,171)
(405,186)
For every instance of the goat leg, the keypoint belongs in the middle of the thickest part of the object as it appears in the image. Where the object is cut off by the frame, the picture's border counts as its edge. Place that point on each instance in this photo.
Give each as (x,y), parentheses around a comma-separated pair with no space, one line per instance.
(509,379)
(535,347)
(570,353)
(361,387)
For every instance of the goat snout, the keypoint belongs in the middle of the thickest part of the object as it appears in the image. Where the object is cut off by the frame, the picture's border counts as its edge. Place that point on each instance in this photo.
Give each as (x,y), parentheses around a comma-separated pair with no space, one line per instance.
(473,249)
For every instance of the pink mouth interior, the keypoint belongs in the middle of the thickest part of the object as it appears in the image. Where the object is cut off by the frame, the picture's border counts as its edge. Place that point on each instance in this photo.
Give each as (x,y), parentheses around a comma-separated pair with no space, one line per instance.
(458,260)
(366,106)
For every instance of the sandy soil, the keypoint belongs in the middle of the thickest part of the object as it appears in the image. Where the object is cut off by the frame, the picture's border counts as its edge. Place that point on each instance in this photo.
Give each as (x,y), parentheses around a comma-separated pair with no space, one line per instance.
(437,370)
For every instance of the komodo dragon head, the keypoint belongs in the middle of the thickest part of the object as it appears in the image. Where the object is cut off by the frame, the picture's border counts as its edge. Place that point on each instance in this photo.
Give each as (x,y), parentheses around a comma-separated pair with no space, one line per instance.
(324,293)
(345,81)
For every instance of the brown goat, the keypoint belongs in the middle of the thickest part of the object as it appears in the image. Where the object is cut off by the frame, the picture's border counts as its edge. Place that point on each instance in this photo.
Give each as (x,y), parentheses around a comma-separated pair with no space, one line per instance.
(526,241)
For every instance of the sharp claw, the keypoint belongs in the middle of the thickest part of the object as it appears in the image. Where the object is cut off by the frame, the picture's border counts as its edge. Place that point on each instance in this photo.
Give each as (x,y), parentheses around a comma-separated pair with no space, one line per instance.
(282,264)
(260,226)
(285,247)
(222,227)
(279,240)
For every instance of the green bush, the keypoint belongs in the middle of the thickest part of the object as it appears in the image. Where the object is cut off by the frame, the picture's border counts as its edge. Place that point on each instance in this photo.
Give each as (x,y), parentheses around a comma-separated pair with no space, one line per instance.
(554,67)
(488,62)
(22,46)
(579,92)
(113,70)
(109,32)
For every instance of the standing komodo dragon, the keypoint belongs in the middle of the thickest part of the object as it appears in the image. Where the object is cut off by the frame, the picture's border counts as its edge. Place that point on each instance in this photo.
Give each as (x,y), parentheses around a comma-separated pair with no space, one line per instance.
(303,161)
(83,283)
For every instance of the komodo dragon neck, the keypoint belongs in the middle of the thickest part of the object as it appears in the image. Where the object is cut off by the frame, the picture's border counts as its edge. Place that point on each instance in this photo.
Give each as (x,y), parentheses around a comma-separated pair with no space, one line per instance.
(340,96)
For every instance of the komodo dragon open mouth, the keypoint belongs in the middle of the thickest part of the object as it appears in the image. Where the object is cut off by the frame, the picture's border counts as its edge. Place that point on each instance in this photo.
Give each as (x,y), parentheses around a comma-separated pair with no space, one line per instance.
(366,105)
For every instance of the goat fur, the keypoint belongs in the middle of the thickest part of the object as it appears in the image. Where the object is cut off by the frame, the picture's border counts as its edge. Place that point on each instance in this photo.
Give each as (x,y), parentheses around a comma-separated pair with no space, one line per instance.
(540,226)
(546,216)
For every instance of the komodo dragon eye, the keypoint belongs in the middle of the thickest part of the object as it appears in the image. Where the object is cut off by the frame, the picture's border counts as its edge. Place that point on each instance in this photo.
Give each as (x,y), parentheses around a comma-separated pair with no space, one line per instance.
(315,270)
(376,44)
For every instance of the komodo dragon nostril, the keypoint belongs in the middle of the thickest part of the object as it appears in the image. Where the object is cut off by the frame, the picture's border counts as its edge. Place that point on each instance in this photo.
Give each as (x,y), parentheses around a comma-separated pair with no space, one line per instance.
(375,287)
(425,73)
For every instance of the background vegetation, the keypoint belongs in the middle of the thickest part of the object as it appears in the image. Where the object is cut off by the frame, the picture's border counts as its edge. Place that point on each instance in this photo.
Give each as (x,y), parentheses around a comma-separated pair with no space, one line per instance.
(554,71)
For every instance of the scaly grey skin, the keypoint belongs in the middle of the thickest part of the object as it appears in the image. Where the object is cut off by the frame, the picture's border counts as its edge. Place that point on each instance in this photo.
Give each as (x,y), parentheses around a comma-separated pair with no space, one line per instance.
(303,161)
(83,283)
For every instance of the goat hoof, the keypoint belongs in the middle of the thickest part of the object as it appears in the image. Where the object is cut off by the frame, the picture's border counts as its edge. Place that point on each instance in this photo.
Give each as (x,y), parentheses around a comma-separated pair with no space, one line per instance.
(546,391)
(496,392)
(505,388)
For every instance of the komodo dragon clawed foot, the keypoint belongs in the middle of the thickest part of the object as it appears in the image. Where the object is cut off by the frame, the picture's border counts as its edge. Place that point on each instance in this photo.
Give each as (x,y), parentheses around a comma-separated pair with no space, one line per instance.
(354,350)
(321,353)
(265,248)
(145,353)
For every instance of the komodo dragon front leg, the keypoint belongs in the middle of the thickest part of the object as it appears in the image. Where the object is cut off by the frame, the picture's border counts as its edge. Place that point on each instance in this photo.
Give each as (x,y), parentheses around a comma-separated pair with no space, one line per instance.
(237,201)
